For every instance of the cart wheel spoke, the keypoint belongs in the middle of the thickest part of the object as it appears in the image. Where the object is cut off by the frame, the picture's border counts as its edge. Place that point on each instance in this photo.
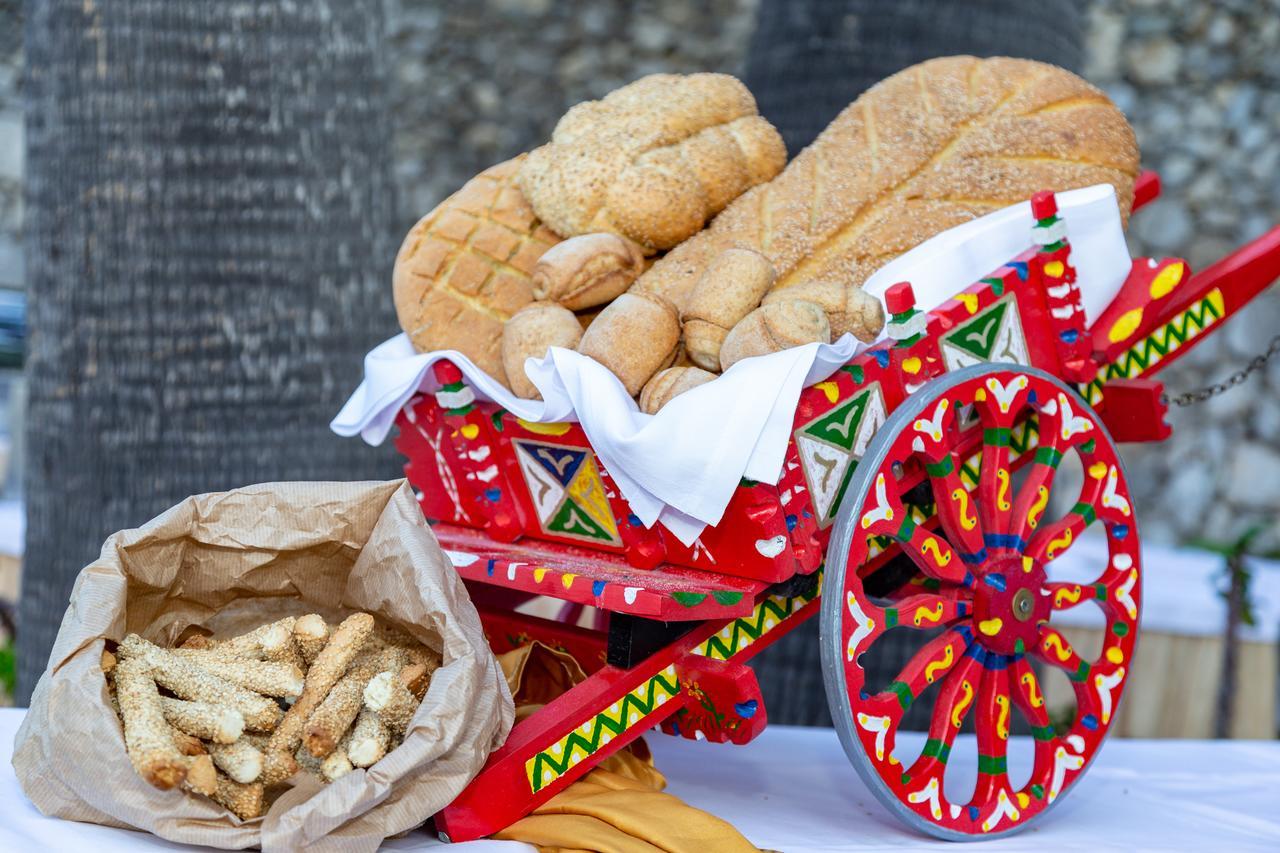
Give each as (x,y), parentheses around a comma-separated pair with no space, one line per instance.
(1064,596)
(981,575)
(955,700)
(935,557)
(1056,650)
(1033,497)
(934,660)
(927,610)
(994,719)
(1029,699)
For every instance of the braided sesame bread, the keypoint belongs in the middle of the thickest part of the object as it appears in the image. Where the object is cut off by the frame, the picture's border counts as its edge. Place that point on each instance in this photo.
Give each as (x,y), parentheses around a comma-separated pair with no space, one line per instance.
(467,266)
(933,146)
(654,160)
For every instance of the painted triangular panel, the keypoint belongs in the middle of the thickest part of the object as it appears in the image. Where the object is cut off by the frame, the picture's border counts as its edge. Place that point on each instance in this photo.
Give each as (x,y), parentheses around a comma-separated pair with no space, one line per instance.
(1011,345)
(560,462)
(588,492)
(545,492)
(573,520)
(978,336)
(824,470)
(840,426)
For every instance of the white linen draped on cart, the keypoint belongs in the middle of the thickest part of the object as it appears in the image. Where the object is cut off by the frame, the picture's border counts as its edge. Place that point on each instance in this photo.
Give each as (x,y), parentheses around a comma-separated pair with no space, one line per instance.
(681,466)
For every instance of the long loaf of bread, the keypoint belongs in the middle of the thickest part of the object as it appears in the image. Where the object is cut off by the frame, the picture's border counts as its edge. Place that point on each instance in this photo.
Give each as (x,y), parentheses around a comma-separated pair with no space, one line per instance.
(933,146)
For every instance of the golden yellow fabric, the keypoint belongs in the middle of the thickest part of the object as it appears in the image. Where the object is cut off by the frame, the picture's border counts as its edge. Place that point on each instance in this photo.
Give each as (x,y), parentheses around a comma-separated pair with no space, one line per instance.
(619,806)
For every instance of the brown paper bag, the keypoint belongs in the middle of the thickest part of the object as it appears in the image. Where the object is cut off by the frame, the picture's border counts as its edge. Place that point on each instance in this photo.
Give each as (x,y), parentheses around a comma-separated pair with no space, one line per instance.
(236,559)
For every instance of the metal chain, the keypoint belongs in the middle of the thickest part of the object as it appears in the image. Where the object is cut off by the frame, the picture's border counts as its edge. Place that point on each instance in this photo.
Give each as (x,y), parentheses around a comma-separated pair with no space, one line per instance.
(1199,395)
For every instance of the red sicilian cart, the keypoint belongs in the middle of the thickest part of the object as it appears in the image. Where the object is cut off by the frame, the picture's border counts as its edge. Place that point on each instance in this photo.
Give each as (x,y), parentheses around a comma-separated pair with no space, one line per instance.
(897,507)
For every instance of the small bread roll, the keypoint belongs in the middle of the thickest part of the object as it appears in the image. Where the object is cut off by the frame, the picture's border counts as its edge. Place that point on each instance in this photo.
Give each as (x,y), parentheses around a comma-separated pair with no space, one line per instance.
(775,327)
(635,336)
(529,334)
(586,271)
(849,308)
(670,383)
(730,288)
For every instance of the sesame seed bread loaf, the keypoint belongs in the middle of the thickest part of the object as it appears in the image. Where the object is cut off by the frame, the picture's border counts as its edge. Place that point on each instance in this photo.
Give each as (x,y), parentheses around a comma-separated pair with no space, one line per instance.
(466,267)
(654,160)
(933,146)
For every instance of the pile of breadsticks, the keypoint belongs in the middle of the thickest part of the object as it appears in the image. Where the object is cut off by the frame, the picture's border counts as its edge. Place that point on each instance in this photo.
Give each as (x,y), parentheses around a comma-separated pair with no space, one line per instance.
(235,719)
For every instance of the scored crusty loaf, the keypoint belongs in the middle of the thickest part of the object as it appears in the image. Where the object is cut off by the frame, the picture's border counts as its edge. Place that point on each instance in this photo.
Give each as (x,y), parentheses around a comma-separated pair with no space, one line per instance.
(467,266)
(933,146)
(654,160)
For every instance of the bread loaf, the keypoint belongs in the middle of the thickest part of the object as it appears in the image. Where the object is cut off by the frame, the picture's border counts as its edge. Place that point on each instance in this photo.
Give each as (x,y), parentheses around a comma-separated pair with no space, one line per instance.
(467,266)
(669,384)
(635,336)
(533,330)
(654,160)
(933,146)
(774,327)
(588,270)
(730,288)
(848,307)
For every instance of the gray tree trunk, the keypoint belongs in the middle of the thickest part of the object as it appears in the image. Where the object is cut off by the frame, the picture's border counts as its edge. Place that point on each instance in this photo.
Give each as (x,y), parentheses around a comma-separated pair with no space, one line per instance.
(808,60)
(209,242)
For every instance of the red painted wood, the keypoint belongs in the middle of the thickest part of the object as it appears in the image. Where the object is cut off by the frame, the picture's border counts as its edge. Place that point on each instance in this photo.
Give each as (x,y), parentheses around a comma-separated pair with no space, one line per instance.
(724,704)
(501,795)
(1240,276)
(1137,309)
(669,593)
(1135,411)
(1146,189)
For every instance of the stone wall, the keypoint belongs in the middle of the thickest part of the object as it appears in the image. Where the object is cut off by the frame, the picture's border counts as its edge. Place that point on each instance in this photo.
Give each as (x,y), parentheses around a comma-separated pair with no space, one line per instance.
(475,83)
(1201,83)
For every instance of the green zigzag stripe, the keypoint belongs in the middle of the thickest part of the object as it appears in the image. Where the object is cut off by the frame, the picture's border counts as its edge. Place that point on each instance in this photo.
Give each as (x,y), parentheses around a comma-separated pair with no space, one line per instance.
(602,723)
(1140,357)
(745,630)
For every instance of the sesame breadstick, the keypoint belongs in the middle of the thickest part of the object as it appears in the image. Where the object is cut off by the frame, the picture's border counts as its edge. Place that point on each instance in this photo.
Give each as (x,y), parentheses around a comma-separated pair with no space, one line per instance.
(146,734)
(278,646)
(338,711)
(270,678)
(238,760)
(369,739)
(392,700)
(244,801)
(189,681)
(336,764)
(416,678)
(256,642)
(344,644)
(310,633)
(202,777)
(185,743)
(308,763)
(217,723)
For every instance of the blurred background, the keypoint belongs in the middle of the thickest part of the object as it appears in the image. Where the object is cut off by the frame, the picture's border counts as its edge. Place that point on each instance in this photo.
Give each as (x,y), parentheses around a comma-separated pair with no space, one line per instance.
(447,89)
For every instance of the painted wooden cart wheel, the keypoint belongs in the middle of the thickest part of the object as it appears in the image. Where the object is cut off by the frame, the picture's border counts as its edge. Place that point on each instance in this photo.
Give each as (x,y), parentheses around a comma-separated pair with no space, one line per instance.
(980,585)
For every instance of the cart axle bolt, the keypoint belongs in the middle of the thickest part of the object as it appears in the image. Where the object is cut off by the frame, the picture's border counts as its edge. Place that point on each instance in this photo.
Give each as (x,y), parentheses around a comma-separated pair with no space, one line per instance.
(1023,604)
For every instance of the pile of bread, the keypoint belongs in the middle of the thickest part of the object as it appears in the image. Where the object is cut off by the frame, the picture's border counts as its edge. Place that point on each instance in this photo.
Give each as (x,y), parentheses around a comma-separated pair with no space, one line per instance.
(662,232)
(234,720)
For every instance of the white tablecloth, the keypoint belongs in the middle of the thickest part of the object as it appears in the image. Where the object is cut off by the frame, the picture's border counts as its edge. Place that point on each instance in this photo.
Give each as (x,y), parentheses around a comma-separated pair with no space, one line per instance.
(792,789)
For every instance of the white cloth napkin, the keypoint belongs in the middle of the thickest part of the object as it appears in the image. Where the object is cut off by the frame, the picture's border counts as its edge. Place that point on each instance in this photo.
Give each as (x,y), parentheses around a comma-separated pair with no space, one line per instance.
(681,466)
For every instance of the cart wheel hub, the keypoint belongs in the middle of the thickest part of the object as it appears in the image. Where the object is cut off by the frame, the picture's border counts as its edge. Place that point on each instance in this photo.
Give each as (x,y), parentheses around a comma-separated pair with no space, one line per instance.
(1009,602)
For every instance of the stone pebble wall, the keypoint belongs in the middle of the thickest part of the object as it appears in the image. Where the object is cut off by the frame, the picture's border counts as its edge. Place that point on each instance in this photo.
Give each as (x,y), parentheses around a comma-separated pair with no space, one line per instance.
(475,83)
